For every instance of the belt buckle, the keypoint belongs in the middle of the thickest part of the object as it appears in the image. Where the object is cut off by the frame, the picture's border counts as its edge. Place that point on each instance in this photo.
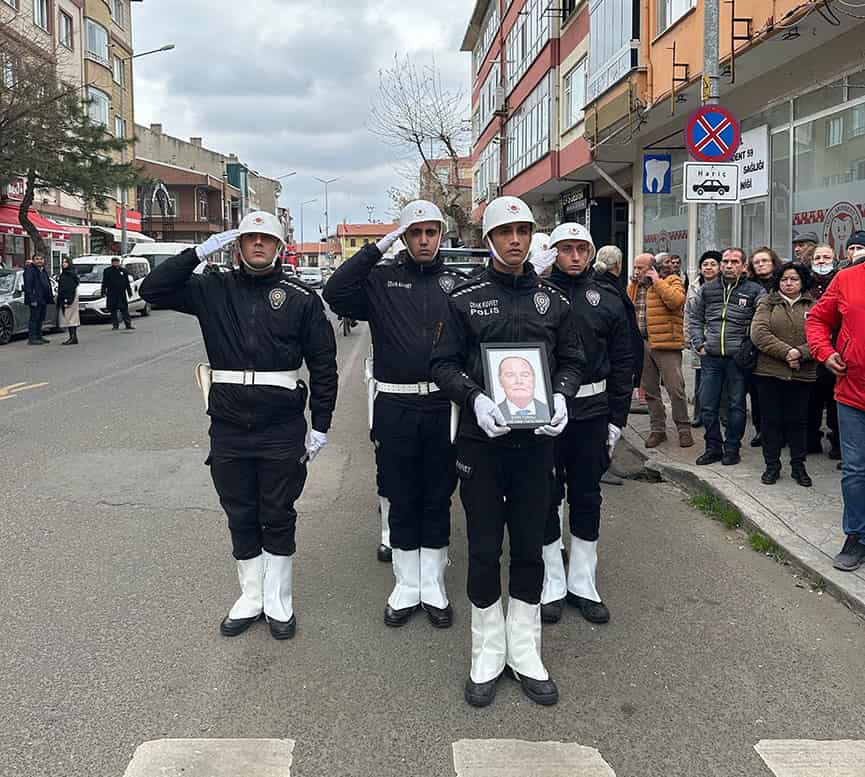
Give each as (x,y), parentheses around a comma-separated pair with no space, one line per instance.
(422,388)
(249,377)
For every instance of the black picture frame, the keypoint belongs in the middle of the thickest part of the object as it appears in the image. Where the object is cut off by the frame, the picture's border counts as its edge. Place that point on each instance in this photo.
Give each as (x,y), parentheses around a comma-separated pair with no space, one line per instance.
(540,406)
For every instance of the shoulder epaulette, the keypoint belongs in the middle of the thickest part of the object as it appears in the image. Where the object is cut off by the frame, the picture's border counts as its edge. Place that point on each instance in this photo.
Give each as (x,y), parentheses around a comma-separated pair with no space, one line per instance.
(543,283)
(297,285)
(469,286)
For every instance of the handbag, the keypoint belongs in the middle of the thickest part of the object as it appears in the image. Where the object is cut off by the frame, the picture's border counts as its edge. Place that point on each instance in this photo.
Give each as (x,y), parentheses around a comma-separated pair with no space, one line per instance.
(746,356)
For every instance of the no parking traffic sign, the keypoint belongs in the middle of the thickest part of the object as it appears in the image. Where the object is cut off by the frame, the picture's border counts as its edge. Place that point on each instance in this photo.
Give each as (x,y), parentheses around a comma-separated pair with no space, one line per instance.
(713,134)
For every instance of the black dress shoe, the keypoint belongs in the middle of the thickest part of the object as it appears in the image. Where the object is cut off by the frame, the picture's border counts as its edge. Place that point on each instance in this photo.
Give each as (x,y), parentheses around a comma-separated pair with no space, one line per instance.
(480,694)
(770,476)
(129,326)
(384,554)
(115,326)
(709,457)
(801,476)
(539,691)
(282,629)
(440,618)
(696,423)
(729,459)
(594,612)
(835,452)
(231,627)
(397,618)
(552,612)
(756,441)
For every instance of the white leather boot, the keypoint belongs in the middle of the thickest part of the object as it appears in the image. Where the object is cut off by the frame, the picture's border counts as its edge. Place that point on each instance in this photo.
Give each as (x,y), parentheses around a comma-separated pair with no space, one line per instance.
(248,608)
(489,653)
(384,553)
(433,596)
(582,587)
(405,597)
(524,652)
(555,584)
(278,599)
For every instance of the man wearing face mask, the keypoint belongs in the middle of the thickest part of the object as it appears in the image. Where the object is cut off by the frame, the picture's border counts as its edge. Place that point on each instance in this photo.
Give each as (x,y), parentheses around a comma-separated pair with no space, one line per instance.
(504,473)
(259,326)
(597,415)
(403,301)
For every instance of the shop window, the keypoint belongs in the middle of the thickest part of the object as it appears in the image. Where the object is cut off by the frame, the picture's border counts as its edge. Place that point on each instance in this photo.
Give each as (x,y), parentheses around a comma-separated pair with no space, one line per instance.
(670,11)
(780,193)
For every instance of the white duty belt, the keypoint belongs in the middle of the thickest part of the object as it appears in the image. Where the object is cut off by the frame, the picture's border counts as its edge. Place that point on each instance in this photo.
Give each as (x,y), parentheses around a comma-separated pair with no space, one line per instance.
(591,389)
(422,387)
(286,380)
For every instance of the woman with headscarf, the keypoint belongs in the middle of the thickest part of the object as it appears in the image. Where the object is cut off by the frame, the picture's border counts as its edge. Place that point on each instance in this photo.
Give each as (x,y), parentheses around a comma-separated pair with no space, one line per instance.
(67,302)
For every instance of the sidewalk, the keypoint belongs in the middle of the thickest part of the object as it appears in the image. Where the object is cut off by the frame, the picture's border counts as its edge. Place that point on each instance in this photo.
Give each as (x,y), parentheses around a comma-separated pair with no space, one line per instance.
(805,522)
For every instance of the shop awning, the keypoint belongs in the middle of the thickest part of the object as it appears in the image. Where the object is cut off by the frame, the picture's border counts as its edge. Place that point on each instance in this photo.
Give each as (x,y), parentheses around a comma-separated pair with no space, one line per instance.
(115,234)
(50,230)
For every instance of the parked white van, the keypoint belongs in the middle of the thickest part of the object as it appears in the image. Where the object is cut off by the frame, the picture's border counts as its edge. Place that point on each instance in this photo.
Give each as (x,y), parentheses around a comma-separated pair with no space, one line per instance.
(156,253)
(91,303)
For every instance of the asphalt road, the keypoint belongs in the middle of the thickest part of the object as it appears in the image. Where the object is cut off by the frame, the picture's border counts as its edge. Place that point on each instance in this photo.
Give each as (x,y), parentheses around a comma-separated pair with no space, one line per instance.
(116,571)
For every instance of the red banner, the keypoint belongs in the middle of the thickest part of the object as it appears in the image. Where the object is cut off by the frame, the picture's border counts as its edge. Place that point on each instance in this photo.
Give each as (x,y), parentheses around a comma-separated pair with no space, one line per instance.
(133,220)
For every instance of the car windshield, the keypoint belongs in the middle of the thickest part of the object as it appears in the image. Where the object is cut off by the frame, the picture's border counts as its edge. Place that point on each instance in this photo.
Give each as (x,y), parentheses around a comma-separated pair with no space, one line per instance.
(7,282)
(90,273)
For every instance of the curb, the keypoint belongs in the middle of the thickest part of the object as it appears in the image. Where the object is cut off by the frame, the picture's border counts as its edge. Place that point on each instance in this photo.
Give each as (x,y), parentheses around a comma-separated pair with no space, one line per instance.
(848,589)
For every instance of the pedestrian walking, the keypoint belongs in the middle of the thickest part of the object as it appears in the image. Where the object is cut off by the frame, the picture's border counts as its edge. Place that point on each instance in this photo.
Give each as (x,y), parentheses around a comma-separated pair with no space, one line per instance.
(710,266)
(720,324)
(505,473)
(823,391)
(596,416)
(403,300)
(785,370)
(659,301)
(37,297)
(67,302)
(259,326)
(840,311)
(117,291)
(804,244)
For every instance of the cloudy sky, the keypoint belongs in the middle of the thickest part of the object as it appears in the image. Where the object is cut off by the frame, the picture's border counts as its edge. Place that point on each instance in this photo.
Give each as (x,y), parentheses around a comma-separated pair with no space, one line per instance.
(287,85)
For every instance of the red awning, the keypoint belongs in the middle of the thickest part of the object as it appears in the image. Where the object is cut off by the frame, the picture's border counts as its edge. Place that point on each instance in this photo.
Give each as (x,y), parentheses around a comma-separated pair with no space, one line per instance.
(50,230)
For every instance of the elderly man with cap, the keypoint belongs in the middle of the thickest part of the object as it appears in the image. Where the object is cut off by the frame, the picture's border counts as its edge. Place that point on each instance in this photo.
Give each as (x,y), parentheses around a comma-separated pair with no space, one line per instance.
(505,471)
(597,415)
(259,327)
(804,244)
(403,300)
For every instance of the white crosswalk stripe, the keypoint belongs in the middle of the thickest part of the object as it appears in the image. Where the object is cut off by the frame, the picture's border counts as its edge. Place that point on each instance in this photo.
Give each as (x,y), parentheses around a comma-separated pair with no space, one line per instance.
(212,758)
(516,758)
(813,758)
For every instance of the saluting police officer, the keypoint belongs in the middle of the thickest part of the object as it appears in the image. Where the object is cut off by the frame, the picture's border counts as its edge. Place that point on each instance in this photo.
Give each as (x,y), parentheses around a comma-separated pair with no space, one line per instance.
(403,300)
(258,325)
(597,415)
(505,472)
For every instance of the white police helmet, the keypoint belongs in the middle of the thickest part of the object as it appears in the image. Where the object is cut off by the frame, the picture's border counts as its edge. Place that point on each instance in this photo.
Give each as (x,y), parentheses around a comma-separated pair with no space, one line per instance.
(261,222)
(572,231)
(506,210)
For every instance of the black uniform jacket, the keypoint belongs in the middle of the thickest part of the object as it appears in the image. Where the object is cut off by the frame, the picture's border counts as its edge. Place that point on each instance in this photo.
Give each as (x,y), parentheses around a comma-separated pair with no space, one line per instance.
(606,336)
(403,300)
(269,323)
(115,287)
(498,307)
(609,281)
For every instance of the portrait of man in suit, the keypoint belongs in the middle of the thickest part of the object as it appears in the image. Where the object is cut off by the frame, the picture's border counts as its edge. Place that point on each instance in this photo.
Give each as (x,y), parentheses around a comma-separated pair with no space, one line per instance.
(517,379)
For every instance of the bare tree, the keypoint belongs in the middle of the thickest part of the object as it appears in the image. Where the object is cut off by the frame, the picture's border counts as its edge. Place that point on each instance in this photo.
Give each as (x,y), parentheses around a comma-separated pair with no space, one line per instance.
(427,123)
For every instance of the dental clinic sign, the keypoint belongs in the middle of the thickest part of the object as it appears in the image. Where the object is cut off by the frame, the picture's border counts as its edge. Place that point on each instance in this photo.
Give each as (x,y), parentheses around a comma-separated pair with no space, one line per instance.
(752,157)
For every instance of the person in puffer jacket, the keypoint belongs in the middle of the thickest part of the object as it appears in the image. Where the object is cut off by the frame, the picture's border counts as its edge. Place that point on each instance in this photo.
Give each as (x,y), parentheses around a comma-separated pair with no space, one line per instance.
(720,324)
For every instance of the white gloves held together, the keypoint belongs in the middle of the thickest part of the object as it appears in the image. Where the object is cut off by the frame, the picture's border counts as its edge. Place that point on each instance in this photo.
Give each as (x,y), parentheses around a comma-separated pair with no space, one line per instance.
(559,420)
(388,240)
(493,423)
(216,243)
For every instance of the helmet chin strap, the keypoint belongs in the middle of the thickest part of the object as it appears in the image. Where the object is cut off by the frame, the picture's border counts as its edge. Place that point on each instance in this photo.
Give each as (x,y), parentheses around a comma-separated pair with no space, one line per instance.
(496,255)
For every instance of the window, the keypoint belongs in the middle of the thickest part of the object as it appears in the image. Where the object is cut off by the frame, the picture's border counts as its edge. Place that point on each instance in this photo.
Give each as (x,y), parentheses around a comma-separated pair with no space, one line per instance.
(527,37)
(614,31)
(488,33)
(857,122)
(7,71)
(66,33)
(99,107)
(487,172)
(487,100)
(670,11)
(568,7)
(41,14)
(118,12)
(528,130)
(203,206)
(352,242)
(12,3)
(119,127)
(97,42)
(575,94)
(835,131)
(118,71)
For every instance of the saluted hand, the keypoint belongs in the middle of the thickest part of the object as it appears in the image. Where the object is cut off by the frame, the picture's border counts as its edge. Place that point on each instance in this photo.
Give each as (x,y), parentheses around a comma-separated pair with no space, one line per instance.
(388,240)
(216,243)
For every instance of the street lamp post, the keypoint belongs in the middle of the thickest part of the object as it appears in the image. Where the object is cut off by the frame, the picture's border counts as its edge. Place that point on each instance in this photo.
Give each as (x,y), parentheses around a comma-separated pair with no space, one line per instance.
(327,182)
(306,202)
(123,232)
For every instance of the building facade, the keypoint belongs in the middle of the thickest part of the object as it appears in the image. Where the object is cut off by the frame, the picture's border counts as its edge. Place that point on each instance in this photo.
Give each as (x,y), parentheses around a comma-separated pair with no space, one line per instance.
(350,238)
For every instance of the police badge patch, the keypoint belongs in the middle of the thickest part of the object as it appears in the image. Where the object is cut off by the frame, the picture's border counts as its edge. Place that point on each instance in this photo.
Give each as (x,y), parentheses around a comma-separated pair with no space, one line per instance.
(542,303)
(447,283)
(276,298)
(593,298)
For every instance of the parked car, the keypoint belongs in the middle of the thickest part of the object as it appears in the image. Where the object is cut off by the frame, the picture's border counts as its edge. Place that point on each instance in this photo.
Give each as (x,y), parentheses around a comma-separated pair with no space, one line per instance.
(711,185)
(14,314)
(311,276)
(91,303)
(469,261)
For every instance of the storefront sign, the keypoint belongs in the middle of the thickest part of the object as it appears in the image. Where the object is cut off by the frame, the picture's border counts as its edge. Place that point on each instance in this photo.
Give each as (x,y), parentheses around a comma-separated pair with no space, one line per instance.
(753,160)
(657,173)
(133,220)
(15,189)
(711,183)
(575,201)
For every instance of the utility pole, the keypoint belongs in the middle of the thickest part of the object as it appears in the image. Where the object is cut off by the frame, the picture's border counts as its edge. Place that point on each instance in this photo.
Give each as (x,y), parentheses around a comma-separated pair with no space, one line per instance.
(708,214)
(305,202)
(327,182)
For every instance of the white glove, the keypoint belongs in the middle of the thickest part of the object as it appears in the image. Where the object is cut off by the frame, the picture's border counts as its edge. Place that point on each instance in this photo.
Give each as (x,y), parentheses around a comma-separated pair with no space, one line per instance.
(543,259)
(614,434)
(490,418)
(317,441)
(559,420)
(388,240)
(216,243)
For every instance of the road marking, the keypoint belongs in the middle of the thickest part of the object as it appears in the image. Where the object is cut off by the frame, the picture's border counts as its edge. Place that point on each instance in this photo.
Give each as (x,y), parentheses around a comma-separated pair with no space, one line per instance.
(517,758)
(13,389)
(212,758)
(813,758)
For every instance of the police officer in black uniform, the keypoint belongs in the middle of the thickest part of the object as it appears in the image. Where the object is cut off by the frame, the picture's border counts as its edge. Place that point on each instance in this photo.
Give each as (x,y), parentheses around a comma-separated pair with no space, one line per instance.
(258,325)
(505,472)
(403,300)
(597,415)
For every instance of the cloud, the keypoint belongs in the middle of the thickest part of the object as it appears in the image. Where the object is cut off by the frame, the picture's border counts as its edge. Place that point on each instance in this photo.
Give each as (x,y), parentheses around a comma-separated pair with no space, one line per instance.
(287,85)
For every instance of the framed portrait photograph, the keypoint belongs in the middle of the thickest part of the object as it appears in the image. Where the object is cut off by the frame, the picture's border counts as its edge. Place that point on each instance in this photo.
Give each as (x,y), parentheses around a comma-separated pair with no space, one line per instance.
(518,380)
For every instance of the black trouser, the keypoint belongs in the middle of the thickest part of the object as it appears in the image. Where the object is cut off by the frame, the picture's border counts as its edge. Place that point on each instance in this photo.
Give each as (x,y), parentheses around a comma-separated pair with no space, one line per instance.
(822,397)
(785,417)
(501,486)
(416,470)
(258,495)
(37,318)
(581,460)
(121,310)
(754,395)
